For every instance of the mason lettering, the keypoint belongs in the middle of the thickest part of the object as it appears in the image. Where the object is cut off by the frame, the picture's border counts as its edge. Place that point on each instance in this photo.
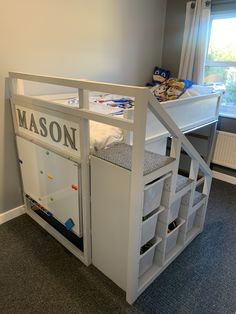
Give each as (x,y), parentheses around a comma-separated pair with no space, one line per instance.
(59,133)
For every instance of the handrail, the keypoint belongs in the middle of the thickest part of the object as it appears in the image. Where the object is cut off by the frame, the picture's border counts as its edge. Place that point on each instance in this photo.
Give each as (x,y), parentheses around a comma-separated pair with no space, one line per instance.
(27,101)
(127,90)
(173,129)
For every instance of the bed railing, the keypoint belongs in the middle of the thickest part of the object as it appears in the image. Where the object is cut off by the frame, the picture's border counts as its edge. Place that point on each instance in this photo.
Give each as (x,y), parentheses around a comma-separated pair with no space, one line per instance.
(143,100)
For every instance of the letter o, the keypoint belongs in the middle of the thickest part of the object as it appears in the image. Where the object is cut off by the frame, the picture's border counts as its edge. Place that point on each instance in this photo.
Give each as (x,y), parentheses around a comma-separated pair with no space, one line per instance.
(55,137)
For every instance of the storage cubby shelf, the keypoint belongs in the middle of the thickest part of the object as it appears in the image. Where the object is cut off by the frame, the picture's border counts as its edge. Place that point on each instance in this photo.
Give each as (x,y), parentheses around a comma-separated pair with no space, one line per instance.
(154,243)
(146,259)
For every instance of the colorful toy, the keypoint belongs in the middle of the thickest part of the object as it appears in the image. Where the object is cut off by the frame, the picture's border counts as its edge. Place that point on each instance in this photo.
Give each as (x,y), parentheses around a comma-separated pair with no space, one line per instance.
(175,90)
(160,91)
(160,75)
(69,224)
(171,89)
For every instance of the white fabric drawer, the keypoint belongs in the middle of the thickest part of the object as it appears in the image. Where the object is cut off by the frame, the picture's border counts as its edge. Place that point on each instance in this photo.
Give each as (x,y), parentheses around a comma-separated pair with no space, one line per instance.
(152,196)
(174,210)
(148,228)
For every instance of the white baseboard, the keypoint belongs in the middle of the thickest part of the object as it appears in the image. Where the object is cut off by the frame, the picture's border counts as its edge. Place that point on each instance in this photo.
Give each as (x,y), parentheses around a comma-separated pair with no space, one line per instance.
(224,177)
(13,213)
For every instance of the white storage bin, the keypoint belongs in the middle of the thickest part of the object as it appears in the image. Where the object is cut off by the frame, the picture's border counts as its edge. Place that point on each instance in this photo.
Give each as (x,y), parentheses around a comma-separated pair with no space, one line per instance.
(190,222)
(172,237)
(152,196)
(174,210)
(146,259)
(148,228)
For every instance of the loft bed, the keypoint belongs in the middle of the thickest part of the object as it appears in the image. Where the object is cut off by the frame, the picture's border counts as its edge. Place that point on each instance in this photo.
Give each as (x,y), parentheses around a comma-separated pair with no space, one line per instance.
(85,196)
(189,112)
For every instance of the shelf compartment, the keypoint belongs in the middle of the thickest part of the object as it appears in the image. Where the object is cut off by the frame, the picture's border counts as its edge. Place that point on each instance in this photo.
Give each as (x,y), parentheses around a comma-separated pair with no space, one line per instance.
(191,220)
(198,200)
(173,254)
(172,237)
(149,226)
(152,195)
(146,259)
(194,220)
(183,184)
(192,234)
(174,210)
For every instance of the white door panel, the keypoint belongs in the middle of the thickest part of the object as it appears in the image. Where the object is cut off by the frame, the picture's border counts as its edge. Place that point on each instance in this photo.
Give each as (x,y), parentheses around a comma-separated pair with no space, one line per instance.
(52,181)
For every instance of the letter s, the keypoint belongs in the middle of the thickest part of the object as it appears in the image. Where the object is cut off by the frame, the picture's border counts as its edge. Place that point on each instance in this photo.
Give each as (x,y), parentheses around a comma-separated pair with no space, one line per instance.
(42,123)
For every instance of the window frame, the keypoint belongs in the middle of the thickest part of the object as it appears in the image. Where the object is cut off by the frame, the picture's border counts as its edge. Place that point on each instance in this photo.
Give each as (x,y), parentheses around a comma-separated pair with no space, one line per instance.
(219,16)
(210,63)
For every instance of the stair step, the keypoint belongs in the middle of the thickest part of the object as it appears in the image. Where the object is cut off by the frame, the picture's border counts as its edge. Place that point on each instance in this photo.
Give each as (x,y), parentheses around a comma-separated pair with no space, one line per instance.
(121,155)
(198,197)
(182,182)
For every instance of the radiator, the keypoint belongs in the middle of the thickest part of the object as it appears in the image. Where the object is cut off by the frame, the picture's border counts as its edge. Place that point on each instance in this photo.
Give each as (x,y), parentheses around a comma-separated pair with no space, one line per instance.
(225,150)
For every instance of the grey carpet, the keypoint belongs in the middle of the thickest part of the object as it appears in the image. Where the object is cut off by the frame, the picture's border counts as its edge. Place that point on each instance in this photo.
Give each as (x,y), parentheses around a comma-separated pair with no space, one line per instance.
(121,154)
(37,275)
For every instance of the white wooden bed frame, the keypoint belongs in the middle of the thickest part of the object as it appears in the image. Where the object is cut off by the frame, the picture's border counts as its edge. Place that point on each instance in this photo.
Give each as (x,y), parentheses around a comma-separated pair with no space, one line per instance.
(135,121)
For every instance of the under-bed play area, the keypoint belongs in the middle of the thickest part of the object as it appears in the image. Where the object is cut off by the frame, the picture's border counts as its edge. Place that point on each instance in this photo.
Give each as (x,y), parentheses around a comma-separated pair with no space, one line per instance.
(100,171)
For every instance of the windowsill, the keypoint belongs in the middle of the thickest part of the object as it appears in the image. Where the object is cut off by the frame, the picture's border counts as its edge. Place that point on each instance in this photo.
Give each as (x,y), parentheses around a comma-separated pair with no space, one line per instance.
(228,112)
(227,115)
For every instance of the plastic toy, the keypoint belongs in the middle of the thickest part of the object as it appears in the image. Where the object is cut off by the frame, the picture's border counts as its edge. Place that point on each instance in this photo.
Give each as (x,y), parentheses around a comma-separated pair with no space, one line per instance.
(69,224)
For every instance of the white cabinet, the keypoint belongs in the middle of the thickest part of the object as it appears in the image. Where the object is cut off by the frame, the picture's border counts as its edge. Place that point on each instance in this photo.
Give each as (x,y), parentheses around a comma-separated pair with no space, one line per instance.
(52,181)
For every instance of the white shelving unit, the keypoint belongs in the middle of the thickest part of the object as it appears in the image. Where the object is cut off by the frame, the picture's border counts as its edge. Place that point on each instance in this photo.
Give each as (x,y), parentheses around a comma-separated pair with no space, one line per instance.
(162,204)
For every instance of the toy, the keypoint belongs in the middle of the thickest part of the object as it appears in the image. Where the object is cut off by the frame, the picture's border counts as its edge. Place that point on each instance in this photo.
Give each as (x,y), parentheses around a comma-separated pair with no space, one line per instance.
(175,90)
(160,75)
(69,224)
(170,89)
(160,91)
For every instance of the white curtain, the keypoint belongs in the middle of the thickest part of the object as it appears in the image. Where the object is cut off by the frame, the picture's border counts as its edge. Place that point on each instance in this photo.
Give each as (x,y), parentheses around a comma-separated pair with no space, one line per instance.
(195,41)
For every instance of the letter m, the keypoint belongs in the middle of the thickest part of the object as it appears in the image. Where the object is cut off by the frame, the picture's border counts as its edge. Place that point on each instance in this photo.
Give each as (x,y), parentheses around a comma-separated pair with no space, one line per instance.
(22,118)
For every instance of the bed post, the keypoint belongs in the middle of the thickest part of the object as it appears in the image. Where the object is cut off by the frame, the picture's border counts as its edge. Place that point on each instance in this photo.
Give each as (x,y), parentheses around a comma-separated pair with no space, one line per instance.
(84,152)
(17,86)
(136,196)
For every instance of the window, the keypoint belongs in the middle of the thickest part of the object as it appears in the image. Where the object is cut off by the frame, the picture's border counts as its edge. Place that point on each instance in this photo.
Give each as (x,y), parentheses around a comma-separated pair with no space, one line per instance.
(220,70)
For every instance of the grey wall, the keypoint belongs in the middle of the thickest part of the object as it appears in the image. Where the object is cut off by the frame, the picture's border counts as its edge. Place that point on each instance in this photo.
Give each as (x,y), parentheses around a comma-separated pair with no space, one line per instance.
(107,40)
(173,35)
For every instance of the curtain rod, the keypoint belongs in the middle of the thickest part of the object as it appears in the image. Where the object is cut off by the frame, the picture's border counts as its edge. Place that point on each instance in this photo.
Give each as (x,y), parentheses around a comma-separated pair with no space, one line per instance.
(217,2)
(206,2)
